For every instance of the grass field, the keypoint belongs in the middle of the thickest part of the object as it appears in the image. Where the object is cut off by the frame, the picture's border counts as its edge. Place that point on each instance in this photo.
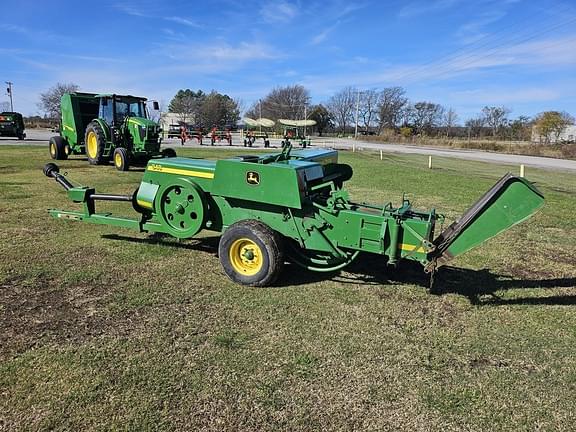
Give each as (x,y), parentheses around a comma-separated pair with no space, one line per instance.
(107,329)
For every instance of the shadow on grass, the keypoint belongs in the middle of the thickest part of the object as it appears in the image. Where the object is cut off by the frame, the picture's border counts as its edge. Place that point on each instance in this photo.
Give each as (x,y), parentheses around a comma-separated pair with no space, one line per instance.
(207,244)
(133,168)
(479,286)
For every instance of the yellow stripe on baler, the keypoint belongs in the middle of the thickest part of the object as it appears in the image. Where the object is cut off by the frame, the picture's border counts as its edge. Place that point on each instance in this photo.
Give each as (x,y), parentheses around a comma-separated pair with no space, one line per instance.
(166,170)
(412,248)
(144,204)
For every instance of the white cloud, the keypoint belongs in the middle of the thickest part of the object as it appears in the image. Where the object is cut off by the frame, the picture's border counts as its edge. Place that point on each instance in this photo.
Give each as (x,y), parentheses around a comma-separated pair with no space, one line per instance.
(473,31)
(424,7)
(183,21)
(129,9)
(13,28)
(275,12)
(321,37)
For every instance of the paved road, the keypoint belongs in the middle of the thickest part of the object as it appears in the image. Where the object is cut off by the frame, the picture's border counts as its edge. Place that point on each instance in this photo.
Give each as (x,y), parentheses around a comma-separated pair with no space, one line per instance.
(500,158)
(40,137)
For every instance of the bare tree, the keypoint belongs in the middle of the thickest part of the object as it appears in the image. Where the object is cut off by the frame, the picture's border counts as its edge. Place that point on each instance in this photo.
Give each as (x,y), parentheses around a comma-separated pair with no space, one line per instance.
(342,105)
(240,104)
(495,117)
(521,128)
(475,126)
(449,121)
(368,108)
(391,107)
(50,99)
(282,102)
(426,116)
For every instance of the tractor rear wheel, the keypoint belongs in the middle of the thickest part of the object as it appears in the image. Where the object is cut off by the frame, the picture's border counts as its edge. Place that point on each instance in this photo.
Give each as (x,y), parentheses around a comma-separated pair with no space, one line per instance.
(251,253)
(57,146)
(95,142)
(121,159)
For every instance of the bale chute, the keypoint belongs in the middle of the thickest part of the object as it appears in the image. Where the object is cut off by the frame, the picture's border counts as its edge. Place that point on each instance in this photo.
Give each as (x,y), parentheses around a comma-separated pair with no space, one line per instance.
(510,201)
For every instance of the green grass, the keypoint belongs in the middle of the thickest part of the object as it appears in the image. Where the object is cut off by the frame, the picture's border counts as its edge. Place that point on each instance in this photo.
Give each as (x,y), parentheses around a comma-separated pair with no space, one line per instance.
(106,329)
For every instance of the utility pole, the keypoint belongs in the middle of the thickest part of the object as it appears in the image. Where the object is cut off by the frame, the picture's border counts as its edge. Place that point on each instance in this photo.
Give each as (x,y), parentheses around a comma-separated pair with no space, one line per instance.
(357,109)
(305,118)
(9,90)
(259,120)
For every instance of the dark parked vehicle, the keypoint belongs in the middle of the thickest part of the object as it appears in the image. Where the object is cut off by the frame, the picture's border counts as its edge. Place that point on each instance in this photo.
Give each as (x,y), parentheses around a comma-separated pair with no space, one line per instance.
(12,125)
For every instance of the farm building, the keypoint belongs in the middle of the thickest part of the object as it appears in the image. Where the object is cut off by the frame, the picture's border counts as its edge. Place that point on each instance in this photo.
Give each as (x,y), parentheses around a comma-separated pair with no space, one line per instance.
(567,135)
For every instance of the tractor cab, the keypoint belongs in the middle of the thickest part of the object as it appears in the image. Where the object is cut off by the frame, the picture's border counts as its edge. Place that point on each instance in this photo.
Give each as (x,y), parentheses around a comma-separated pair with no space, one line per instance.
(116,109)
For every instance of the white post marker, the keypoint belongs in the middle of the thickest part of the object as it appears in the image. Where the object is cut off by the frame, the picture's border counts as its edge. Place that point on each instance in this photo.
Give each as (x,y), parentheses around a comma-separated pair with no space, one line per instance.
(521,170)
(429,162)
(381,155)
(353,147)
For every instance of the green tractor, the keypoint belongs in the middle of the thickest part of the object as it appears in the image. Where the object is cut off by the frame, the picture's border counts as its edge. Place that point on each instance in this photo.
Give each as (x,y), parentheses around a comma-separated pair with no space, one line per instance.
(12,125)
(107,127)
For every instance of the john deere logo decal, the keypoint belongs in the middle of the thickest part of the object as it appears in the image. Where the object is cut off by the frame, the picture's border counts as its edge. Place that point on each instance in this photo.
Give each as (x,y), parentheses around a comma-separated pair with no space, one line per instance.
(253,178)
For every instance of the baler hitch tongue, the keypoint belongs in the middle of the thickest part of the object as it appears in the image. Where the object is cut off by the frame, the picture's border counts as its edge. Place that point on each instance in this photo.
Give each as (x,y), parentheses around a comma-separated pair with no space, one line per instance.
(510,201)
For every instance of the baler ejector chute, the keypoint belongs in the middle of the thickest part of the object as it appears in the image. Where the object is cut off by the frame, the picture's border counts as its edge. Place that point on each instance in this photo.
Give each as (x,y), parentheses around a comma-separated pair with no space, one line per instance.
(293,204)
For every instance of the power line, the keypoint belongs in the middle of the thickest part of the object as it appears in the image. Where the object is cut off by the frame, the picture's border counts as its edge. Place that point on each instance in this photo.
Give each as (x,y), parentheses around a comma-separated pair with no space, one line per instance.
(473,54)
(474,59)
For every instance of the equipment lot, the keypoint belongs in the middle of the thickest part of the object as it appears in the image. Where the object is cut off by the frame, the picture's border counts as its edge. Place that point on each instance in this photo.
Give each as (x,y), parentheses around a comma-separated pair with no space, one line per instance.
(107,330)
(41,137)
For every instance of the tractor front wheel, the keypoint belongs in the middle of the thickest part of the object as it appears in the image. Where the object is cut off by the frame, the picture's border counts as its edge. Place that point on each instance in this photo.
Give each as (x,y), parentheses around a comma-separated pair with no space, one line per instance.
(168,153)
(121,159)
(95,142)
(251,253)
(57,146)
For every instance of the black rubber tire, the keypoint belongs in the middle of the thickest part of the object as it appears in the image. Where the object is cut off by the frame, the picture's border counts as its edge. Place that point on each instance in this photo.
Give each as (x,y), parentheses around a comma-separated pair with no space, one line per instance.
(21,136)
(121,159)
(269,243)
(168,153)
(57,148)
(99,158)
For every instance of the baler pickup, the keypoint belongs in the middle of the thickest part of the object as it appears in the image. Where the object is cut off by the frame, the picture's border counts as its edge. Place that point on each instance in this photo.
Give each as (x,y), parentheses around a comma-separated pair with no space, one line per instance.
(510,201)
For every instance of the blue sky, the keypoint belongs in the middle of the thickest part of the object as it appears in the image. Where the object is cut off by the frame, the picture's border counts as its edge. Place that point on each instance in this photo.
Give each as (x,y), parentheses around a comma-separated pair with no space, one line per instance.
(461,54)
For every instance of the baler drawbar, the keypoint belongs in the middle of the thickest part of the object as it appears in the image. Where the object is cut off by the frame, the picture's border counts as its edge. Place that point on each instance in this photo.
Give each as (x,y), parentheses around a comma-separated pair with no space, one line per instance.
(293,205)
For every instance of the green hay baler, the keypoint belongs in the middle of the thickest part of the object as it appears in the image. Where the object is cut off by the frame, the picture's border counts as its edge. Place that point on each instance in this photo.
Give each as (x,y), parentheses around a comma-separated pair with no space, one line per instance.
(107,127)
(294,205)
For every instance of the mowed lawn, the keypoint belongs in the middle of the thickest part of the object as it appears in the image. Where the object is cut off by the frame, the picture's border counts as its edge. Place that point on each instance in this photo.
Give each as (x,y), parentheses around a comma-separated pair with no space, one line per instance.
(106,329)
